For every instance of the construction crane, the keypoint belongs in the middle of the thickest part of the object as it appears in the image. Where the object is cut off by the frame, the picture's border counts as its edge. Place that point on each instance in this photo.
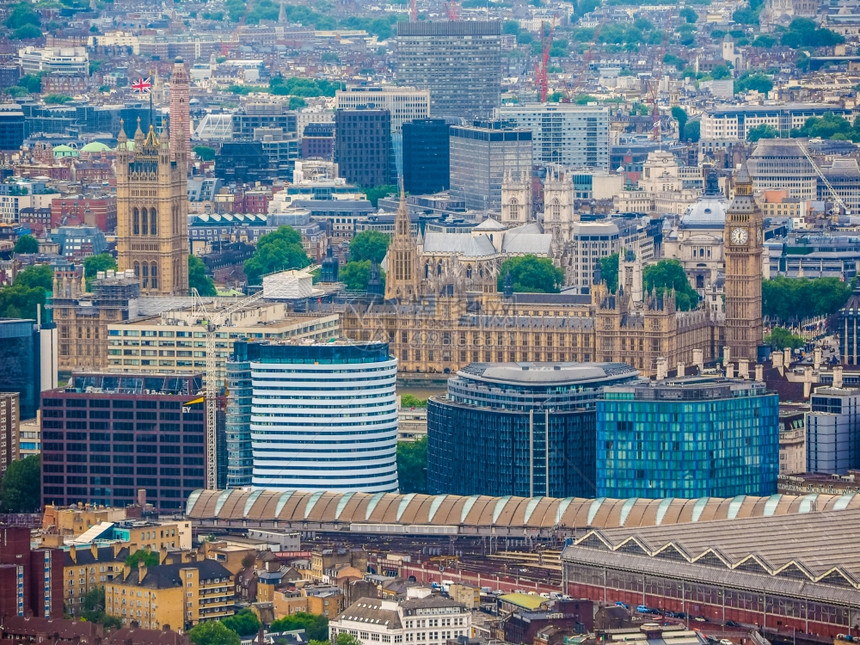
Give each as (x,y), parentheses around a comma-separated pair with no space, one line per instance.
(575,85)
(541,68)
(413,11)
(836,198)
(452,10)
(214,321)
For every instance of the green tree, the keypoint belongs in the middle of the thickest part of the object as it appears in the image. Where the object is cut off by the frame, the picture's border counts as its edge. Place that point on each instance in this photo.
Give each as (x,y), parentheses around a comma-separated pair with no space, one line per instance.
(244,623)
(753,81)
(33,82)
(681,117)
(37,276)
(347,639)
(355,274)
(93,609)
(669,274)
(720,72)
(373,193)
(609,271)
(692,131)
(213,633)
(511,27)
(149,558)
(763,131)
(27,244)
(197,278)
(21,488)
(297,103)
(315,626)
(787,300)
(205,153)
(276,251)
(532,274)
(780,338)
(412,465)
(764,41)
(22,14)
(56,99)
(412,401)
(27,32)
(689,15)
(369,245)
(95,263)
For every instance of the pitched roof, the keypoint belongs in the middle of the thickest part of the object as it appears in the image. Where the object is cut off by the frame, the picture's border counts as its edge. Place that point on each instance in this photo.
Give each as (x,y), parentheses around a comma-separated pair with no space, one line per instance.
(84,556)
(371,611)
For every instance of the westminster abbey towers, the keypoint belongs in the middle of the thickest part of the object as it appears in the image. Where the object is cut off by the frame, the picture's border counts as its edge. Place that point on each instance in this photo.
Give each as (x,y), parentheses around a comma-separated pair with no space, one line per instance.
(152,219)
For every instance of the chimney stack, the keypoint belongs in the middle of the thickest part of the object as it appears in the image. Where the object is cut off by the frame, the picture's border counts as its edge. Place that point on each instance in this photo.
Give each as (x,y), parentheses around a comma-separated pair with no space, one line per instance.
(662,368)
(816,358)
(743,368)
(681,369)
(759,372)
(837,376)
(786,357)
(699,359)
(727,355)
(730,370)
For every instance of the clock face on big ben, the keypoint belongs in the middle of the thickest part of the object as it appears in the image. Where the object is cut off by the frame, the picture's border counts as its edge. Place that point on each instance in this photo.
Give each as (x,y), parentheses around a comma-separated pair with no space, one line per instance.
(739,236)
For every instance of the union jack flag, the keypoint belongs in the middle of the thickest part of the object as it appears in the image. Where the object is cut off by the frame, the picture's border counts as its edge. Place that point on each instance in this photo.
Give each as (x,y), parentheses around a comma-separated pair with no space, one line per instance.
(142,86)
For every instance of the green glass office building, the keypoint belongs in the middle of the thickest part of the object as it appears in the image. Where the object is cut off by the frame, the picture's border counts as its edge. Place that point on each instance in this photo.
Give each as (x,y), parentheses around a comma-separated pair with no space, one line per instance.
(693,437)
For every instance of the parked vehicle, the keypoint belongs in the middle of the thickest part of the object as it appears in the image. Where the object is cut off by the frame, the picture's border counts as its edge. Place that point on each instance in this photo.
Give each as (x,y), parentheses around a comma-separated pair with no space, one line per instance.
(643,609)
(618,603)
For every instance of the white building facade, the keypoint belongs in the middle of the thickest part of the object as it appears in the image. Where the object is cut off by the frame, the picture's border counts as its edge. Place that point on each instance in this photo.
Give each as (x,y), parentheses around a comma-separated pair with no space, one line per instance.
(421,619)
(323,416)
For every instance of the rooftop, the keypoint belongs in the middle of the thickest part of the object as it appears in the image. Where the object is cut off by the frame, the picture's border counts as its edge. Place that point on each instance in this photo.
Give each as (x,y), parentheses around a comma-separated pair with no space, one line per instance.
(537,373)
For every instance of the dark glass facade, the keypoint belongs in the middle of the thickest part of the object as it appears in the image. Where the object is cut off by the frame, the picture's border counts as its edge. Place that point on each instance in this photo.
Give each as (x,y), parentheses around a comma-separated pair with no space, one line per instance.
(363,149)
(107,435)
(525,429)
(20,363)
(688,438)
(425,156)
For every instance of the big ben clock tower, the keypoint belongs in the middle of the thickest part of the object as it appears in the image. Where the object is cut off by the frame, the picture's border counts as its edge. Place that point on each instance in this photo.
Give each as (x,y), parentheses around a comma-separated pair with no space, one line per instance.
(742,240)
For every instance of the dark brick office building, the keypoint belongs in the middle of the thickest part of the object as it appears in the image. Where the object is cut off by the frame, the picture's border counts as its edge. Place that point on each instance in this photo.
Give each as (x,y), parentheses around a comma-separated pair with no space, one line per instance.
(104,436)
(426,156)
(31,580)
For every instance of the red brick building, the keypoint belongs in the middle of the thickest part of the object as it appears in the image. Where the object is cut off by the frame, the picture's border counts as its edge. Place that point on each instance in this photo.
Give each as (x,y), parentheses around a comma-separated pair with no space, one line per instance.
(31,581)
(92,211)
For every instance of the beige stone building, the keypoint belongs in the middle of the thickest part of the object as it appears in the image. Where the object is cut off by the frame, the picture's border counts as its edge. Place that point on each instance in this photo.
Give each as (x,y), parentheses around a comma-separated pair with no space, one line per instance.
(152,212)
(443,329)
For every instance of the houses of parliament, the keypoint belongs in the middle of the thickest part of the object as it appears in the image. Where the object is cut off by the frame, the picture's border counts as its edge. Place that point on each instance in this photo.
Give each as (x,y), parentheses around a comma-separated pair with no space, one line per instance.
(441,323)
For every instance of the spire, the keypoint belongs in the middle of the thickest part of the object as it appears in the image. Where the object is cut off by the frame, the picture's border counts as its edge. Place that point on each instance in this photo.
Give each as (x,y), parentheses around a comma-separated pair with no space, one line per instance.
(282,13)
(122,138)
(743,182)
(138,135)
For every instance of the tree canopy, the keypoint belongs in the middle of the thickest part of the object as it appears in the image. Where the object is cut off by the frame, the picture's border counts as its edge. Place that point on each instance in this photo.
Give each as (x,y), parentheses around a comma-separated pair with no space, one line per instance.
(95,263)
(412,465)
(369,245)
(532,274)
(788,300)
(780,338)
(20,299)
(347,639)
(373,193)
(276,251)
(213,633)
(21,488)
(149,558)
(244,623)
(315,626)
(753,81)
(669,274)
(356,275)
(762,131)
(93,609)
(609,271)
(803,32)
(197,278)
(205,153)
(27,244)
(412,401)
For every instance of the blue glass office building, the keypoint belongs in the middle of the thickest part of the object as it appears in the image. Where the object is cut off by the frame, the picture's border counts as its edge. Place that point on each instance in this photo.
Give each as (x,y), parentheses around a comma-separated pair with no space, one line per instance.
(695,437)
(524,429)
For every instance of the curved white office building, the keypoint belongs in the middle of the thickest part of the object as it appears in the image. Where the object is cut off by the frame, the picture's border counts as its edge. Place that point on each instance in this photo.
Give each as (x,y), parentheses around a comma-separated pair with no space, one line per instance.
(323,417)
